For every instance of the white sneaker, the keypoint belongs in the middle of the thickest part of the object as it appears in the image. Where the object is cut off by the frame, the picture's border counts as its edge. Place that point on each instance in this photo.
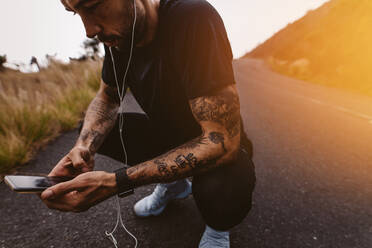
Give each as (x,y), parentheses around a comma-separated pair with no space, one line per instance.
(214,239)
(155,203)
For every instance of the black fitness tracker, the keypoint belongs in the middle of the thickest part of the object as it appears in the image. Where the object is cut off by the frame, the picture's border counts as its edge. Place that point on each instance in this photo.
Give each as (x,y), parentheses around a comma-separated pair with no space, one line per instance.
(125,187)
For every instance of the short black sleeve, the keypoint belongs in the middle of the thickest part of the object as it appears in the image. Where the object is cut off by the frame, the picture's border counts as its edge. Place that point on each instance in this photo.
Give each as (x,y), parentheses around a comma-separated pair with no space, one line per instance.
(202,53)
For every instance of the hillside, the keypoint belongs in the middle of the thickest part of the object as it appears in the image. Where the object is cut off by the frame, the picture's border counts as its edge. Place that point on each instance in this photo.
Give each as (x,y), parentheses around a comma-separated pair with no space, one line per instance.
(331,45)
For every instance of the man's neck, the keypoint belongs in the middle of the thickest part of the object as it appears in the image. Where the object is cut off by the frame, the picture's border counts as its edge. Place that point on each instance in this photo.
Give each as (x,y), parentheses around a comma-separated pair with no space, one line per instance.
(151,8)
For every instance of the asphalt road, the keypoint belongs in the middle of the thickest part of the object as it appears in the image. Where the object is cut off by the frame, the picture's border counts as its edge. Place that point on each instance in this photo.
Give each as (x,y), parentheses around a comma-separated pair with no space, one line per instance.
(312,151)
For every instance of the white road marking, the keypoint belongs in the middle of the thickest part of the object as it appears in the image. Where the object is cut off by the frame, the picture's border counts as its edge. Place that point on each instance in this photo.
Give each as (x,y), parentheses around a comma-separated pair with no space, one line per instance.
(316,101)
(339,108)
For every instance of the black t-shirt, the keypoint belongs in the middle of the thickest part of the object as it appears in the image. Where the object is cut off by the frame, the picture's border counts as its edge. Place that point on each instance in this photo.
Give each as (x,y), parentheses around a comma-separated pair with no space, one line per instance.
(189,57)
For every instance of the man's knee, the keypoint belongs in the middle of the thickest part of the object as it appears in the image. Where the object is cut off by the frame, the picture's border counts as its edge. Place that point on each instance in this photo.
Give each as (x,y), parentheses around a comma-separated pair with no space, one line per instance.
(224,196)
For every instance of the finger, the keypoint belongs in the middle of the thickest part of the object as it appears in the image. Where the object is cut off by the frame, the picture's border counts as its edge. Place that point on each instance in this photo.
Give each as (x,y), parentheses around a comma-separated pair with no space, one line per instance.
(61,171)
(85,154)
(63,203)
(58,206)
(77,160)
(71,202)
(66,161)
(59,189)
(63,168)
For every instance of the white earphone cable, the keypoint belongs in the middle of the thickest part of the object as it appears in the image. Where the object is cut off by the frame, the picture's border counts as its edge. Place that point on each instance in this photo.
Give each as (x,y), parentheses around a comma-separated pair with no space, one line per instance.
(121,123)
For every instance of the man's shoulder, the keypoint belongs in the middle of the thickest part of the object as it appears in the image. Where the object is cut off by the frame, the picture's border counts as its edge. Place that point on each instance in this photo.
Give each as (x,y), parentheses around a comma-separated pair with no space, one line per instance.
(189,10)
(188,5)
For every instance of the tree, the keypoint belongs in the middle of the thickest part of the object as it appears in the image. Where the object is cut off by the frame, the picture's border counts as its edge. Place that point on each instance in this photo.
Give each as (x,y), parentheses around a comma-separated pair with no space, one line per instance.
(2,62)
(34,61)
(91,47)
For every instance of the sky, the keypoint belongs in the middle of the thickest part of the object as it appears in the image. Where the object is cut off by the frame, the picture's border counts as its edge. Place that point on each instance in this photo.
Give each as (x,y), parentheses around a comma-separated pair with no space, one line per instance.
(40,27)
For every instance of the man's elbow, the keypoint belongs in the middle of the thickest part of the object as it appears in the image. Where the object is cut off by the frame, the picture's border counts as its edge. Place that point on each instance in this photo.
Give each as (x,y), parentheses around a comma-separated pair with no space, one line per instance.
(230,150)
(234,150)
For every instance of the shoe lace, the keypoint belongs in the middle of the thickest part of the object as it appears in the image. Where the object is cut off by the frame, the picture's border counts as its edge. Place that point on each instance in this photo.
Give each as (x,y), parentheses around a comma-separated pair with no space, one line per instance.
(216,237)
(159,196)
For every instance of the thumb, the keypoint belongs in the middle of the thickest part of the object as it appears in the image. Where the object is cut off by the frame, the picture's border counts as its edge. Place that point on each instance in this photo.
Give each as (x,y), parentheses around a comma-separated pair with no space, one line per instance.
(59,189)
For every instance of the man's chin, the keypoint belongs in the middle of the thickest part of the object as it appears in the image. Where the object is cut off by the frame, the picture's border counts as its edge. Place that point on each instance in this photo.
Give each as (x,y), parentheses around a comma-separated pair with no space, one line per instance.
(110,43)
(120,45)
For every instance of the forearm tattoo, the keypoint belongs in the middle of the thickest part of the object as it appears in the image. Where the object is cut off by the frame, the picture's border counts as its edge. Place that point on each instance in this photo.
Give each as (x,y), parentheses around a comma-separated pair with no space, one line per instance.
(99,120)
(172,166)
(101,112)
(191,158)
(93,138)
(200,154)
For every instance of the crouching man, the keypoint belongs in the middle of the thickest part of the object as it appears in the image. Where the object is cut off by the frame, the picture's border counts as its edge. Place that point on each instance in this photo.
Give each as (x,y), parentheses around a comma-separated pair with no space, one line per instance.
(181,74)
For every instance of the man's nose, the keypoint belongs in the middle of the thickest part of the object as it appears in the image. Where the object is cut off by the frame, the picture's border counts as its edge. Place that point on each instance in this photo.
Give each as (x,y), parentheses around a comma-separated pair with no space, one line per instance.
(91,29)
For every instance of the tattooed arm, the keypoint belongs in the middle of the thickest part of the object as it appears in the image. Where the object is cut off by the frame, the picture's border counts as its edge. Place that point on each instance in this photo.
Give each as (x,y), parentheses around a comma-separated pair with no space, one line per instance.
(219,118)
(88,187)
(99,120)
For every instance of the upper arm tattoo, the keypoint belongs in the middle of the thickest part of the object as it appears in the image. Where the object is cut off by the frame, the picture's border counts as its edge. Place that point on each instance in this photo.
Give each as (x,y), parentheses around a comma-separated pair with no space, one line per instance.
(222,108)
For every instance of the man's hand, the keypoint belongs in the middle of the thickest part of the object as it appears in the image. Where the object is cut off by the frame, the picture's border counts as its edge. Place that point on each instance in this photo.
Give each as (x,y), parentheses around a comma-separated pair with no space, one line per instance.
(99,120)
(81,193)
(77,161)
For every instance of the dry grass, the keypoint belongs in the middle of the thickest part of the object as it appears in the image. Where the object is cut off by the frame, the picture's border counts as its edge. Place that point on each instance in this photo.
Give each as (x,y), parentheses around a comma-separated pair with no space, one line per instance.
(36,107)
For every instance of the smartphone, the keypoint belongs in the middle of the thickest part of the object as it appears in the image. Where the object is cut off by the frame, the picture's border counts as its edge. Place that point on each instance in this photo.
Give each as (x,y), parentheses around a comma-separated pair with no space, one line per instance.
(32,184)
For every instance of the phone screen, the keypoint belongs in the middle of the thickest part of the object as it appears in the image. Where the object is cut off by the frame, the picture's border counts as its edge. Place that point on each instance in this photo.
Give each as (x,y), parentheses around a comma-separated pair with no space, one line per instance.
(32,184)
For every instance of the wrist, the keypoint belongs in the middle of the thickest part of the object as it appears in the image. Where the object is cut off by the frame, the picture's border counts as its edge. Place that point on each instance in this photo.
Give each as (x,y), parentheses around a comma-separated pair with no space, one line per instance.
(110,183)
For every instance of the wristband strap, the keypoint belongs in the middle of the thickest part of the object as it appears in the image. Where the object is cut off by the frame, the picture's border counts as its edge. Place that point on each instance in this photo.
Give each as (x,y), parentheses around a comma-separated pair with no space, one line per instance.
(123,183)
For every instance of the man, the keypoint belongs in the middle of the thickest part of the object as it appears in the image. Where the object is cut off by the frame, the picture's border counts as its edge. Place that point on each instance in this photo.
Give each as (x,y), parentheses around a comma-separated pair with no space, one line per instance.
(181,75)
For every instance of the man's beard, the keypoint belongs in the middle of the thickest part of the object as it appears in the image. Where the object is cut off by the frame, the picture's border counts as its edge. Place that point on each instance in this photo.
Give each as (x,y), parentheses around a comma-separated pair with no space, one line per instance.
(125,42)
